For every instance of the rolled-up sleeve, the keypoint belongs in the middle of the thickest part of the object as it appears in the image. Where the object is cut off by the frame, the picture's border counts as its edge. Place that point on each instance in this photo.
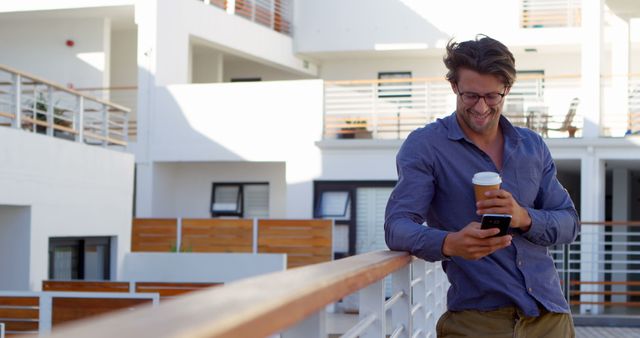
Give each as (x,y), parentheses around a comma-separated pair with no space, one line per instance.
(554,219)
(409,203)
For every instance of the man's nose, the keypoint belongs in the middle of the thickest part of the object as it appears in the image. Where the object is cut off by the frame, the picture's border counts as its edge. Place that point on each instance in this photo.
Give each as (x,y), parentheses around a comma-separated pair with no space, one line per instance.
(481,105)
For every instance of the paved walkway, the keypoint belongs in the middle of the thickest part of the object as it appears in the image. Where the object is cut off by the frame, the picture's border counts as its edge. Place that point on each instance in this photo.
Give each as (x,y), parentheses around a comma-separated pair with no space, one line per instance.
(607,332)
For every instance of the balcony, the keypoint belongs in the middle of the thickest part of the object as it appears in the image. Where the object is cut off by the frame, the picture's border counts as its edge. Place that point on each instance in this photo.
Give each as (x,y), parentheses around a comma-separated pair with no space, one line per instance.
(549,105)
(274,14)
(36,105)
(553,13)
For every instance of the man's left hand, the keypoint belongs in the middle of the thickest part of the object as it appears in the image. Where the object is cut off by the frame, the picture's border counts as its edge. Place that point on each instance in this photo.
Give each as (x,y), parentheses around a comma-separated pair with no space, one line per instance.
(502,202)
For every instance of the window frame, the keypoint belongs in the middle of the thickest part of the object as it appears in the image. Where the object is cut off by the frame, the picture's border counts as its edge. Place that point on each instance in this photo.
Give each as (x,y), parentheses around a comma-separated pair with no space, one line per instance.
(240,199)
(81,244)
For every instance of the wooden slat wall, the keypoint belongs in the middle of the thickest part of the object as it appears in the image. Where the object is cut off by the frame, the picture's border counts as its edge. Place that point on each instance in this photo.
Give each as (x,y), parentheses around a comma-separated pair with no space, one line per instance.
(153,235)
(85,286)
(20,315)
(68,309)
(169,290)
(304,241)
(217,235)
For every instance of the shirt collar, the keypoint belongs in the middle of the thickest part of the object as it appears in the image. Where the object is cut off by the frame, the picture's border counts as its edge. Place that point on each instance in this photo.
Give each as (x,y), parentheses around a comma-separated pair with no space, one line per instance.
(455,132)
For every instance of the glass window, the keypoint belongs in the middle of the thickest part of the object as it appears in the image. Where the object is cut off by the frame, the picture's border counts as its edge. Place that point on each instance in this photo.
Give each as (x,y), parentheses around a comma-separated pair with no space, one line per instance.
(335,204)
(79,258)
(240,200)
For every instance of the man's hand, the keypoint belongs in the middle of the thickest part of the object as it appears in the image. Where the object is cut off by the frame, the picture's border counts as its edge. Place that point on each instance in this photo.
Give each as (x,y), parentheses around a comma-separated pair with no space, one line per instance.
(474,243)
(502,202)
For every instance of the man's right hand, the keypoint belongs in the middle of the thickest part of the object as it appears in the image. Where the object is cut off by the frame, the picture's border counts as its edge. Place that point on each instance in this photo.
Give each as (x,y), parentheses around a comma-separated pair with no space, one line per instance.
(474,243)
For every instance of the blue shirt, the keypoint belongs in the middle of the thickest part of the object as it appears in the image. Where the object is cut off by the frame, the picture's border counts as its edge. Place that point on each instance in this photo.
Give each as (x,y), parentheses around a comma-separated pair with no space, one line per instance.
(435,167)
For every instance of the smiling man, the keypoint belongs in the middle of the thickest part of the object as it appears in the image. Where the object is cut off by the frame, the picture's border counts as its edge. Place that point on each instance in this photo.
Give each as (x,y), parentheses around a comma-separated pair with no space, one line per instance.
(500,286)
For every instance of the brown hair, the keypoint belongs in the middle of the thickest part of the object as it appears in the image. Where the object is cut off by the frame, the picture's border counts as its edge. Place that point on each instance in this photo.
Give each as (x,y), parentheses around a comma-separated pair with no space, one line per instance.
(483,55)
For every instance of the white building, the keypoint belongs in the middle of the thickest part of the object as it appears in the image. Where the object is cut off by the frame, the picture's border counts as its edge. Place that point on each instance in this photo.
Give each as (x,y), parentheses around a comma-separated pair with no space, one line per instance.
(297,108)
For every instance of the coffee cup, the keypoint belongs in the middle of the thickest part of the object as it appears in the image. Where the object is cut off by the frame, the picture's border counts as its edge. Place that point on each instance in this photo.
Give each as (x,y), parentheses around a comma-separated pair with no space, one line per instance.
(485,181)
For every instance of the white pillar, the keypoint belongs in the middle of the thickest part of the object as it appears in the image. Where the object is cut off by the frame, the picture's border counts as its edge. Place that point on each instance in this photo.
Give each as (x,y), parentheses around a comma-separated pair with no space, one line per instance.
(589,105)
(592,179)
(144,189)
(617,108)
(621,197)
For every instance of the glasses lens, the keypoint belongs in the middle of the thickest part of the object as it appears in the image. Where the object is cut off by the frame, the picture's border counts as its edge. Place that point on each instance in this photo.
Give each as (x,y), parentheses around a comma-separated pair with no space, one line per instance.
(493,98)
(470,98)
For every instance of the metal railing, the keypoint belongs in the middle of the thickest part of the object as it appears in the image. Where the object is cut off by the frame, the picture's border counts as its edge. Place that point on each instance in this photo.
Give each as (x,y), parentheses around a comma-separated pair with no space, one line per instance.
(40,106)
(294,302)
(549,105)
(550,13)
(126,96)
(275,14)
(600,271)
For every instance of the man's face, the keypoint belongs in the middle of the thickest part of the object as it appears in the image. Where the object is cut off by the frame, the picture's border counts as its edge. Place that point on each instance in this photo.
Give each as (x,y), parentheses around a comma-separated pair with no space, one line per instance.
(479,115)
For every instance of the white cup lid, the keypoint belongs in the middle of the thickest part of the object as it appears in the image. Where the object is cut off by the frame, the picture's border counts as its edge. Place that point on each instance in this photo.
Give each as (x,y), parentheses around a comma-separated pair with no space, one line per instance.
(486,178)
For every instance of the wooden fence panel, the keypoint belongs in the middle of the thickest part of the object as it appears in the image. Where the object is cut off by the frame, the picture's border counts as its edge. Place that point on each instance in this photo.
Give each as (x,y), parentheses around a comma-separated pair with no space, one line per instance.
(217,235)
(154,235)
(68,309)
(304,241)
(169,290)
(85,286)
(20,315)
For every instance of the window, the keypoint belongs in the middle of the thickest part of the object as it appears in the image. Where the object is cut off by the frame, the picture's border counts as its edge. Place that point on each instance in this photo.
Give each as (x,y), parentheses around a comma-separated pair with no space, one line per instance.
(246,200)
(394,88)
(246,79)
(79,258)
(529,85)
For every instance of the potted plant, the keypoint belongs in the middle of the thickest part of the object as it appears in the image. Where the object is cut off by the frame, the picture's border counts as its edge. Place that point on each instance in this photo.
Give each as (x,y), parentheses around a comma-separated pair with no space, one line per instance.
(357,128)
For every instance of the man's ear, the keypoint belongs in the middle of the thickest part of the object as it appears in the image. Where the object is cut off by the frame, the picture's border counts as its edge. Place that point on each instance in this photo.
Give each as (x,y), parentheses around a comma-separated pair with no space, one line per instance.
(454,87)
(507,90)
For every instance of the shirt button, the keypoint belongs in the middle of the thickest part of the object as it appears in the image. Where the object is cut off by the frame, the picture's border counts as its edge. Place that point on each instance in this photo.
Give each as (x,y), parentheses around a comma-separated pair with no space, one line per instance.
(519,263)
(530,290)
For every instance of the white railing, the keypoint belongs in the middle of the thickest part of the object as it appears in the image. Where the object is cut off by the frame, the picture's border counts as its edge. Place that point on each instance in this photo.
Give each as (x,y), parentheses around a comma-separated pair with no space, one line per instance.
(126,96)
(293,303)
(391,109)
(1,330)
(275,14)
(599,273)
(41,315)
(39,106)
(550,13)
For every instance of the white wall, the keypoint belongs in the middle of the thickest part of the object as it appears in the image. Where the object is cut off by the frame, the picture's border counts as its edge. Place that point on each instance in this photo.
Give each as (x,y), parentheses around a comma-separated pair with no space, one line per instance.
(37,5)
(15,247)
(206,65)
(37,46)
(363,25)
(72,189)
(124,68)
(183,189)
(248,69)
(199,267)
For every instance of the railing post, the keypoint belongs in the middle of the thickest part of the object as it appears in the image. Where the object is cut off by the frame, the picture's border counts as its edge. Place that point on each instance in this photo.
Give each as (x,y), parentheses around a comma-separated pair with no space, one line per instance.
(253,9)
(1,330)
(50,111)
(272,14)
(45,314)
(125,127)
(255,236)
(178,234)
(374,114)
(418,308)
(105,124)
(17,121)
(231,7)
(314,326)
(401,312)
(372,303)
(80,120)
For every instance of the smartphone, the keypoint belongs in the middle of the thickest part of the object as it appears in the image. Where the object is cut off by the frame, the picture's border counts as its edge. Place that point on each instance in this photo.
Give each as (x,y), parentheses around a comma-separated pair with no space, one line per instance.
(499,221)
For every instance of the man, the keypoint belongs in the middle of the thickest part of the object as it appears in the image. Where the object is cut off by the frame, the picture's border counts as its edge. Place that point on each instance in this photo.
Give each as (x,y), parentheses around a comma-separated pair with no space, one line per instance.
(500,286)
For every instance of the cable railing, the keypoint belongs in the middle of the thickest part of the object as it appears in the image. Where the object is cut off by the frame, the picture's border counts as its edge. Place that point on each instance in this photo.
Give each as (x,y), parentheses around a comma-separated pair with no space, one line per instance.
(548,105)
(40,106)
(600,271)
(294,303)
(126,96)
(275,14)
(550,13)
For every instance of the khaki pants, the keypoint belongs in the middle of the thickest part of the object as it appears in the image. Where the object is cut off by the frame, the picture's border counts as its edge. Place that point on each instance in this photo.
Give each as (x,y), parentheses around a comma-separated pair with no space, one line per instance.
(504,323)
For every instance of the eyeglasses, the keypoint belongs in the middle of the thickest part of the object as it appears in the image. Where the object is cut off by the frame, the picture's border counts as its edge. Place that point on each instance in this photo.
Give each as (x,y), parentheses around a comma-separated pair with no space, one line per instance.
(490,99)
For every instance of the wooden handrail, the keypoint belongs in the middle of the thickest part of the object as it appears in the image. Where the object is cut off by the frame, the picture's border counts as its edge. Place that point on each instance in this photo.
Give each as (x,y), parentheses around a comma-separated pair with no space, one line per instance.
(62,88)
(254,307)
(613,223)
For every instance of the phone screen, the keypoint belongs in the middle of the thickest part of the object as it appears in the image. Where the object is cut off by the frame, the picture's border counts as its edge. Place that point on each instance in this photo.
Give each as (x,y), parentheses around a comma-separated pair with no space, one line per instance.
(501,222)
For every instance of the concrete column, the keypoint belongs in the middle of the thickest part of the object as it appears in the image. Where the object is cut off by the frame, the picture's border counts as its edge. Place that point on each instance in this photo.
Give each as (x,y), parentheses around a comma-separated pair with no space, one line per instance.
(591,56)
(617,109)
(621,196)
(144,189)
(591,239)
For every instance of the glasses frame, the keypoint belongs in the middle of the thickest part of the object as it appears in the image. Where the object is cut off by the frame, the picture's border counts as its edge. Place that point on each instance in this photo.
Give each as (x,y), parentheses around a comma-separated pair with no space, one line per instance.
(484,97)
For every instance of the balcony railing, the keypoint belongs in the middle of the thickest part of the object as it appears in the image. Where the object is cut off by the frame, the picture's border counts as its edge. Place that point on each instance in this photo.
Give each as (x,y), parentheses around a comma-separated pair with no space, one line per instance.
(275,14)
(549,105)
(126,96)
(40,106)
(294,303)
(550,13)
(600,272)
